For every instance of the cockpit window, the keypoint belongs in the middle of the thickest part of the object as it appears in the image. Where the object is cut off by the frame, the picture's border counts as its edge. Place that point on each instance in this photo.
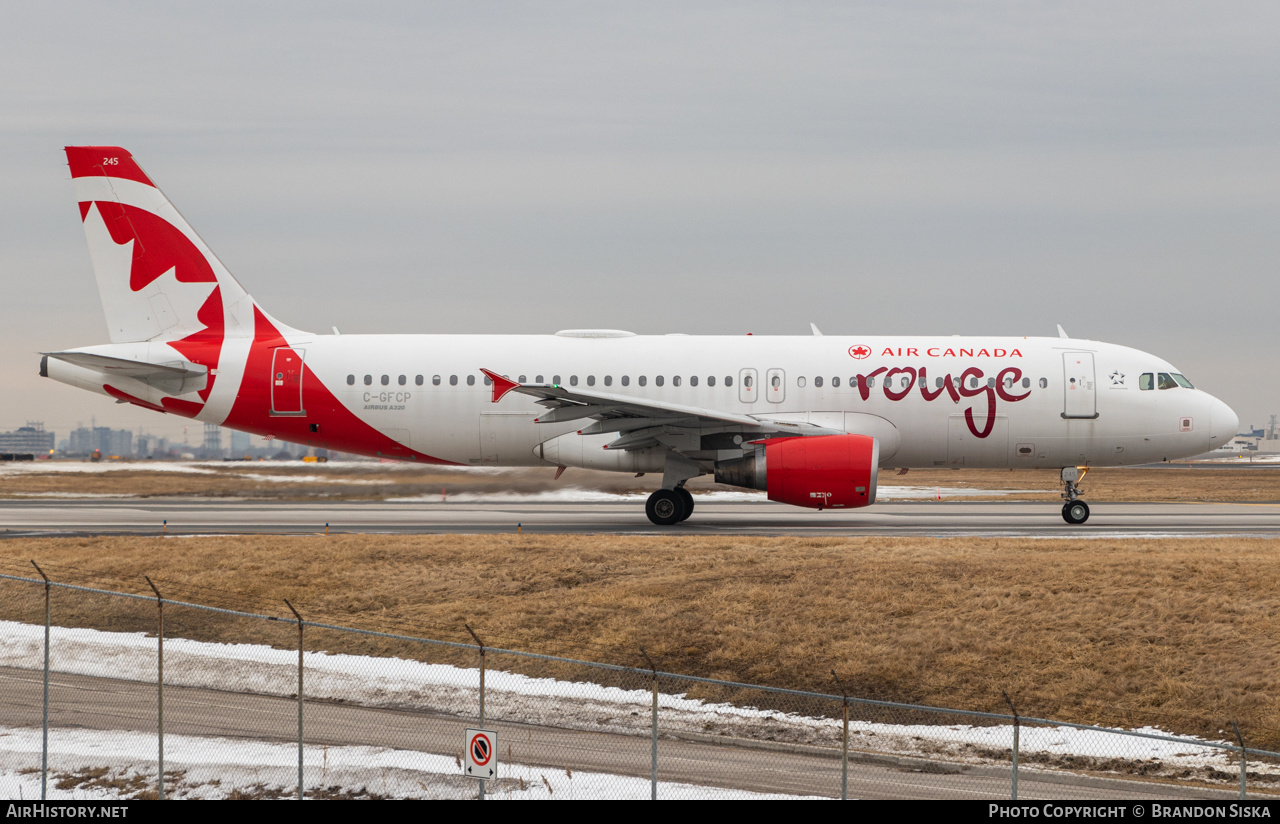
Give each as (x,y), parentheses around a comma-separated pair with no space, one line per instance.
(1166,381)
(1147,381)
(1183,382)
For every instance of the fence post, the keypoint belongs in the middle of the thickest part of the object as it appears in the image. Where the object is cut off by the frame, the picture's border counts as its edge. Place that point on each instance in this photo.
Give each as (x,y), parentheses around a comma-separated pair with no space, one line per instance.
(44,723)
(1016,729)
(844,742)
(300,625)
(480,644)
(653,742)
(159,685)
(1243,762)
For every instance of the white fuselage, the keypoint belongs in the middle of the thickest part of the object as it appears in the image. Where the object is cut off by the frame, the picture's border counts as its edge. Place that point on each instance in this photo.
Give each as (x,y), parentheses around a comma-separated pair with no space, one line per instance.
(1058,402)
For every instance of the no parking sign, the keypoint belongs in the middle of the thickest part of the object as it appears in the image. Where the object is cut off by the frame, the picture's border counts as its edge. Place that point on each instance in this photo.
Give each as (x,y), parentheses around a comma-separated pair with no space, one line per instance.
(482,754)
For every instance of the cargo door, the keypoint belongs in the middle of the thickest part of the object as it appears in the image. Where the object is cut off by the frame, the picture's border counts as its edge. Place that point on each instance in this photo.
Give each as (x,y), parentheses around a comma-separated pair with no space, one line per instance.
(966,449)
(286,381)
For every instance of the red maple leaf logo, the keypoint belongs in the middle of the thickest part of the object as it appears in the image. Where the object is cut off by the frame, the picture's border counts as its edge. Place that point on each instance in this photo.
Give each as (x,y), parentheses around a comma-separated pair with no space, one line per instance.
(859,351)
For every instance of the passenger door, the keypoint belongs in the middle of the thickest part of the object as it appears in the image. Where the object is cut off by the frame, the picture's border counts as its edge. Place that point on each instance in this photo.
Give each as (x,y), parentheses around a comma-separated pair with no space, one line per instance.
(1079,390)
(286,382)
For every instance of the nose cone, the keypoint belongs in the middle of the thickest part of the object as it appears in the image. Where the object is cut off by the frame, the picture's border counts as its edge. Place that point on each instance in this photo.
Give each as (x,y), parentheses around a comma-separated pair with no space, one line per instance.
(1223,424)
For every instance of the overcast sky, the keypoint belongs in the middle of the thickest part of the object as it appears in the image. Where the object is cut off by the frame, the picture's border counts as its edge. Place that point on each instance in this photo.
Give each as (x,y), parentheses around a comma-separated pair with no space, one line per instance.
(687,167)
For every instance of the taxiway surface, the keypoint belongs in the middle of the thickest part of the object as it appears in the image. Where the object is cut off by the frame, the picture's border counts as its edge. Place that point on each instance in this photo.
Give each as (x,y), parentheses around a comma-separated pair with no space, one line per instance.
(155,516)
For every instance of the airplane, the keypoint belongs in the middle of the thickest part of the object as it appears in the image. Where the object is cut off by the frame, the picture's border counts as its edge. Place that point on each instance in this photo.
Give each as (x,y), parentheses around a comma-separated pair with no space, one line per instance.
(811,420)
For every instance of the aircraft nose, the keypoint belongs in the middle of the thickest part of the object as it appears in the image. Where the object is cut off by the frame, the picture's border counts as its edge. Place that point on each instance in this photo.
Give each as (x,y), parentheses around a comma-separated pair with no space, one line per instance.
(1223,424)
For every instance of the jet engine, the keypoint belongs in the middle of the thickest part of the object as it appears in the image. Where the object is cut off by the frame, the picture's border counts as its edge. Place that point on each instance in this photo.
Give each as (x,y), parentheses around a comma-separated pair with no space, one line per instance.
(820,472)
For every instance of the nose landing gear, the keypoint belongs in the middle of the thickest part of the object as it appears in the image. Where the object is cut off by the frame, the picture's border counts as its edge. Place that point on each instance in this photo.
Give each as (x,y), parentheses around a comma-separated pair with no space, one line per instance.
(1074,511)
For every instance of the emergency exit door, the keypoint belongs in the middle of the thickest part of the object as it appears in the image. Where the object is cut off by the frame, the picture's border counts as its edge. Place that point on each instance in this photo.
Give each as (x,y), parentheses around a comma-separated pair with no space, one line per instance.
(286,381)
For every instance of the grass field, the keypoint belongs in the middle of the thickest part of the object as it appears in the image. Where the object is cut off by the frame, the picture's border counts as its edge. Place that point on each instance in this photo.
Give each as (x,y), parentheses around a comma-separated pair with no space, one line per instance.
(373,481)
(1181,634)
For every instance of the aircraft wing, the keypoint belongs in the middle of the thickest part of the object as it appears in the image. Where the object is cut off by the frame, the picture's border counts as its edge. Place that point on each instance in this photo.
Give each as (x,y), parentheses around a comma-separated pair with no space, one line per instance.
(642,422)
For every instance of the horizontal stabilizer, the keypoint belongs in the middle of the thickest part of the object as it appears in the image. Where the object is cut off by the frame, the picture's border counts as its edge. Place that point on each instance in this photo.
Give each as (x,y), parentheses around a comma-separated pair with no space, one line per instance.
(176,378)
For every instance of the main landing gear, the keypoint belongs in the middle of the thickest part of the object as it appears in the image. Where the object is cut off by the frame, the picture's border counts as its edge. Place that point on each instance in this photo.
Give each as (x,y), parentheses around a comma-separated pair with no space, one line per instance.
(1074,511)
(669,506)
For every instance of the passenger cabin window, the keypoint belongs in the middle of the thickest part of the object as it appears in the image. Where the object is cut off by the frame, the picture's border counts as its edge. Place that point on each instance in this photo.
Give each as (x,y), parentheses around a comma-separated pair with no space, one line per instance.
(905,381)
(835,382)
(1044,383)
(471,380)
(368,380)
(435,380)
(658,380)
(403,380)
(728,380)
(573,380)
(608,380)
(817,381)
(626,380)
(643,380)
(555,379)
(1026,383)
(591,380)
(351,380)
(800,382)
(675,381)
(488,381)
(693,380)
(711,380)
(938,382)
(418,380)
(1183,382)
(523,379)
(747,381)
(453,380)
(1166,381)
(386,379)
(775,380)
(538,379)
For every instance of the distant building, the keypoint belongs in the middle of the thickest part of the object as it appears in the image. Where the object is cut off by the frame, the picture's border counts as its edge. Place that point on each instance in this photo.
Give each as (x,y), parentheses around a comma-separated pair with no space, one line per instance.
(241,443)
(31,439)
(212,440)
(108,441)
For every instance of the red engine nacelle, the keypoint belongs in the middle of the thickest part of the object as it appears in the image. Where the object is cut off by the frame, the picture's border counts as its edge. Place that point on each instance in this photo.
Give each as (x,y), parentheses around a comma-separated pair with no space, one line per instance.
(821,472)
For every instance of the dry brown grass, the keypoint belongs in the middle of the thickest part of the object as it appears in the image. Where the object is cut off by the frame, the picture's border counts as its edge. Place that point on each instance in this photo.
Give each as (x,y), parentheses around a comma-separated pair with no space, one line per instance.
(1184,634)
(378,482)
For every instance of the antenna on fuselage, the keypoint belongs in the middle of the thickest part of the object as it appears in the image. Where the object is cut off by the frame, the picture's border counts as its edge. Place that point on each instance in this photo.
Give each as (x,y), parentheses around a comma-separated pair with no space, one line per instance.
(1062,333)
(817,333)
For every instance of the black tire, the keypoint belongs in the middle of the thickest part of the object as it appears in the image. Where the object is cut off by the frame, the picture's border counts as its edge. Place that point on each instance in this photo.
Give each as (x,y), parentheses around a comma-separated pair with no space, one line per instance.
(688,502)
(1075,512)
(665,507)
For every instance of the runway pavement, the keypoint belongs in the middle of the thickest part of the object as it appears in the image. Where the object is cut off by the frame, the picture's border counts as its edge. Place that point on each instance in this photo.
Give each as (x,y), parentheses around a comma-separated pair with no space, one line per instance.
(929,518)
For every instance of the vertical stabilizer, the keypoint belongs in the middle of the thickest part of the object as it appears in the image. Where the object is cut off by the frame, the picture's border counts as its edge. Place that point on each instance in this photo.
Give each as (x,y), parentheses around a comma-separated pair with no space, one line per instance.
(157,278)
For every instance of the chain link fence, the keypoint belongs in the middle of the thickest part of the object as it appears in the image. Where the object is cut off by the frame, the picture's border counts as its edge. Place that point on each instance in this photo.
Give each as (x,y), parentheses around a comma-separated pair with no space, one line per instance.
(175,699)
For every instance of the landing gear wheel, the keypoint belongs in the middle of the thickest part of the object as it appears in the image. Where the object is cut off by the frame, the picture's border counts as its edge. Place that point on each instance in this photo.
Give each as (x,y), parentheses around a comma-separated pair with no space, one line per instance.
(688,502)
(1075,512)
(665,507)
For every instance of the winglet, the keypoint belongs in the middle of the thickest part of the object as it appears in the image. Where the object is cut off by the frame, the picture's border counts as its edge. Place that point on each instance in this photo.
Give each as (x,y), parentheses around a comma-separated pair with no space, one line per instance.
(501,385)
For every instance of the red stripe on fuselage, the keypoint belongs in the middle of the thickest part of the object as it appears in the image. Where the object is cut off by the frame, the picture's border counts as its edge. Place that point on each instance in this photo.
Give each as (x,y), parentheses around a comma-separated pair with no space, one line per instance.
(339,428)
